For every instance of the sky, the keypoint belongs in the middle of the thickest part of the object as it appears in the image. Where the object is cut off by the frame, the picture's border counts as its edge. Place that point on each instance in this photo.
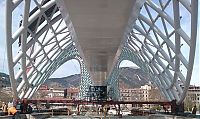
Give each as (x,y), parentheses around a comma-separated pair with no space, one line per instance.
(73,64)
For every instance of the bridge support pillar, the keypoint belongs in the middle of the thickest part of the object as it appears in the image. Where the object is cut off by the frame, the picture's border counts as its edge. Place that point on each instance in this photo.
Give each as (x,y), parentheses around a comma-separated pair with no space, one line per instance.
(78,109)
(120,115)
(177,109)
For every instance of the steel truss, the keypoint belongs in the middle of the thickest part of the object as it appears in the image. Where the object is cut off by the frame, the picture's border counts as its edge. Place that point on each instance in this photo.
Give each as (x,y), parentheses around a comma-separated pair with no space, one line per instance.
(158,42)
(126,54)
(160,39)
(45,44)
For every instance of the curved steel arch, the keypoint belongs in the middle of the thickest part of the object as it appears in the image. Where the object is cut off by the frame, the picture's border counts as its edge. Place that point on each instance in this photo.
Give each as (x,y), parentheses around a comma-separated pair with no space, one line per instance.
(44,42)
(154,42)
(126,54)
(157,38)
(72,53)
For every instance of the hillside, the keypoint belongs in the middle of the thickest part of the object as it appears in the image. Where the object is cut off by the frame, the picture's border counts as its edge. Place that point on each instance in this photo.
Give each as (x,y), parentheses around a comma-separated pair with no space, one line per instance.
(64,82)
(133,78)
(4,80)
(130,77)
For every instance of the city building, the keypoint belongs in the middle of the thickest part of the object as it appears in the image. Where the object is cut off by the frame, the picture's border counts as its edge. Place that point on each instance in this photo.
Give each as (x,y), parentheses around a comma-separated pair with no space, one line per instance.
(56,93)
(135,94)
(68,93)
(144,93)
(193,95)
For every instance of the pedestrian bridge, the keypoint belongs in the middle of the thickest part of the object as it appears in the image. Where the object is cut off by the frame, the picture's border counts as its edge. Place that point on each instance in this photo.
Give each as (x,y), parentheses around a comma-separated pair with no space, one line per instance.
(159,36)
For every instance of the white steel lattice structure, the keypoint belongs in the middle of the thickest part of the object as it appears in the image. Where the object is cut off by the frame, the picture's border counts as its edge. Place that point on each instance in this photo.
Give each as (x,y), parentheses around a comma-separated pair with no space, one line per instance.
(44,43)
(156,38)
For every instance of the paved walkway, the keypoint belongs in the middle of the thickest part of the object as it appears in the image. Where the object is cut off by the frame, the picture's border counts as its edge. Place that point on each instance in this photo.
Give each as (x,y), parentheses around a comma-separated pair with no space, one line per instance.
(98,117)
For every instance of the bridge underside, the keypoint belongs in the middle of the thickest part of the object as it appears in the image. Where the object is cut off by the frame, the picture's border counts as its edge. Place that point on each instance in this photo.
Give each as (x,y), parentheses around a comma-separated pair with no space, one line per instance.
(158,36)
(99,27)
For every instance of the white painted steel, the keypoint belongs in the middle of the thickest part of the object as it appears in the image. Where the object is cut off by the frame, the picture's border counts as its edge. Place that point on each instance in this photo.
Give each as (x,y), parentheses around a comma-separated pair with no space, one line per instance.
(152,39)
(154,31)
(39,47)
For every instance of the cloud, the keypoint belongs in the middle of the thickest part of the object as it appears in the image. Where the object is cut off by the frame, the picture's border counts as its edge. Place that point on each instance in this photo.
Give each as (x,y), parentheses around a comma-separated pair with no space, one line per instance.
(3,59)
(195,75)
(71,67)
(2,14)
(65,67)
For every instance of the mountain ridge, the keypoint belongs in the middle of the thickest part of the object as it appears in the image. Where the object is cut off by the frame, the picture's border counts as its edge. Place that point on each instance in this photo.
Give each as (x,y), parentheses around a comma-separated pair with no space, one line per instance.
(133,78)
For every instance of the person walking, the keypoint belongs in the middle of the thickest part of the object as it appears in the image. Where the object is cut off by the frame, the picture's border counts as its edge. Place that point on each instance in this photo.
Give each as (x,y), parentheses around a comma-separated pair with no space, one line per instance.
(194,109)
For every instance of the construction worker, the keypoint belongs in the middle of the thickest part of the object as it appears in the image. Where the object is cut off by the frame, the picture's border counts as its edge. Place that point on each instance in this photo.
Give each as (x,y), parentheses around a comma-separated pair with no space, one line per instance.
(105,109)
(194,109)
(4,108)
(12,111)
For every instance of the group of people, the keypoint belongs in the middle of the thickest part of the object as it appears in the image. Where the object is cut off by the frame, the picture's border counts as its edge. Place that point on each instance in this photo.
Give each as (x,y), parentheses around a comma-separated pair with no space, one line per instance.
(15,108)
(9,108)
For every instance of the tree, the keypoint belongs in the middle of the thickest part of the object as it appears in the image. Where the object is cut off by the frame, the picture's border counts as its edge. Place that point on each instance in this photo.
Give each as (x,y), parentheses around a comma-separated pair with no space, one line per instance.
(5,97)
(155,95)
(188,104)
(198,107)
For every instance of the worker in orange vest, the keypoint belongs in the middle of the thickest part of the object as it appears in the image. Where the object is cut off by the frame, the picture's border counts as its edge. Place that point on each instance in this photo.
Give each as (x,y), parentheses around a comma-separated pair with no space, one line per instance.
(12,111)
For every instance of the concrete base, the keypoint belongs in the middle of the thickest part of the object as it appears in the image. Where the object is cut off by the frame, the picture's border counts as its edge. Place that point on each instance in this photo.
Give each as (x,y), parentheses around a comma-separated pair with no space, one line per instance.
(5,117)
(159,116)
(46,115)
(28,116)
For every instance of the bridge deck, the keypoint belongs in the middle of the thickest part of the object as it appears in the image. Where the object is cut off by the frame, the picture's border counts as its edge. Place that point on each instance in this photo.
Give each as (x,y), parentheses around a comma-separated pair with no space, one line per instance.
(99,26)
